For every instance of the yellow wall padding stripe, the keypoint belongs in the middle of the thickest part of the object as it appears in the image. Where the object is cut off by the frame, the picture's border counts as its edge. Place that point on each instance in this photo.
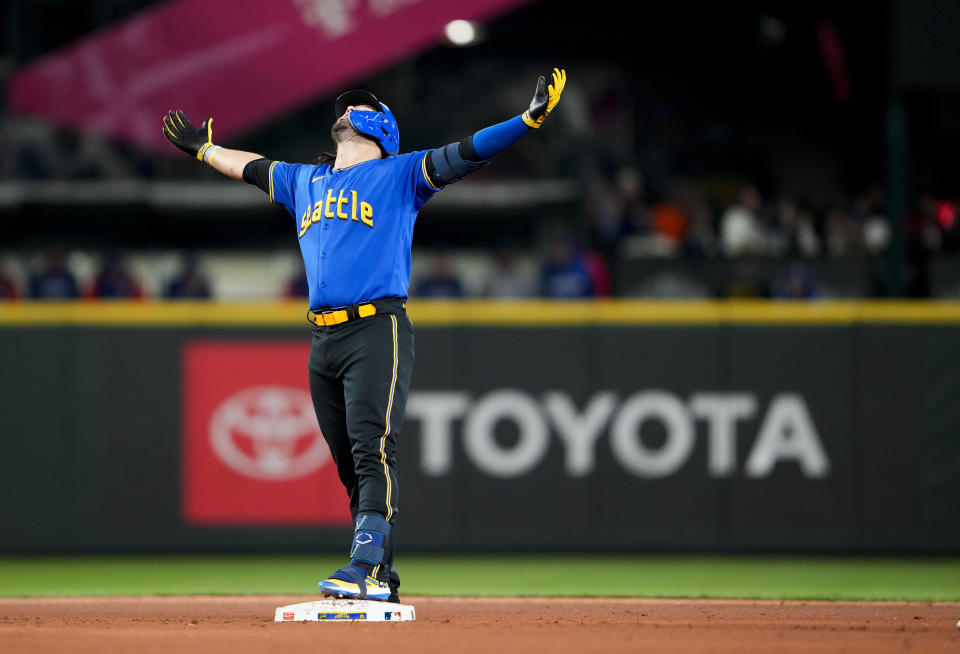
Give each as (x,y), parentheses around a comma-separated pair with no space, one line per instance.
(677,312)
(291,313)
(386,431)
(181,313)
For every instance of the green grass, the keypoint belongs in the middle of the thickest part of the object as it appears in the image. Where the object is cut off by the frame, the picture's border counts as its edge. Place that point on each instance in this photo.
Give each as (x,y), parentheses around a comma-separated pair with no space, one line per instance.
(920,579)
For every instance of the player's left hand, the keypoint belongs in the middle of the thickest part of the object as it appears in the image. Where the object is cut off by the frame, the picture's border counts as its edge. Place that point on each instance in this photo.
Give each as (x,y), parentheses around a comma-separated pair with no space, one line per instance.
(192,140)
(545,98)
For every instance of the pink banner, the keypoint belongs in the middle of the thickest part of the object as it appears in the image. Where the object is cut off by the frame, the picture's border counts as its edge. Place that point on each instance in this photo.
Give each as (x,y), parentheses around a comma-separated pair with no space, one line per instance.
(240,61)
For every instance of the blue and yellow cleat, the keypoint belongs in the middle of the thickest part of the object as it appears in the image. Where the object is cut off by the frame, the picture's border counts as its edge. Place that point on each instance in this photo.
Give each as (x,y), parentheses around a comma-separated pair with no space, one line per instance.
(353,582)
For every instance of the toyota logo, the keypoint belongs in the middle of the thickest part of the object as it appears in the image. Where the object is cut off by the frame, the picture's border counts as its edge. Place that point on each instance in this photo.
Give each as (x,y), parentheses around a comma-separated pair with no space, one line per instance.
(268,433)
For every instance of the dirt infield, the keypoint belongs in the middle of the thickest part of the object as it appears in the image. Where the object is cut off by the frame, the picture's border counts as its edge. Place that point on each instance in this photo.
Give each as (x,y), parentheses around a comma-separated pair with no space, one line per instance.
(536,626)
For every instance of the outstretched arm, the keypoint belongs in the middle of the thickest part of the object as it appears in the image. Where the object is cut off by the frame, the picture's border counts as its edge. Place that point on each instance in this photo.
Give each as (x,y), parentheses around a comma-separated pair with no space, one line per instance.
(457,160)
(198,142)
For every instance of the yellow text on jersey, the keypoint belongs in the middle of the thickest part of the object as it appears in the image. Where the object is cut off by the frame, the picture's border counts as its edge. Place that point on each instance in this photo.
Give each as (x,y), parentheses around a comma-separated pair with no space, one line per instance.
(344,206)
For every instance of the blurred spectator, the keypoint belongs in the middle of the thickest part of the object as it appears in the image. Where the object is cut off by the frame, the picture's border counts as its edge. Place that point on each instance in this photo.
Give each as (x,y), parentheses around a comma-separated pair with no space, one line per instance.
(868,209)
(947,212)
(607,225)
(797,284)
(8,290)
(741,232)
(924,237)
(670,221)
(565,274)
(507,280)
(55,281)
(190,282)
(114,281)
(298,286)
(440,282)
(630,189)
(600,279)
(700,239)
(795,233)
(617,211)
(923,231)
(876,235)
(840,234)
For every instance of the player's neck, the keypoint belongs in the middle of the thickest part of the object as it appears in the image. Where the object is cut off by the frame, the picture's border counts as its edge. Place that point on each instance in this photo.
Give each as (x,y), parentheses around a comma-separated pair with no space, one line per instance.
(350,153)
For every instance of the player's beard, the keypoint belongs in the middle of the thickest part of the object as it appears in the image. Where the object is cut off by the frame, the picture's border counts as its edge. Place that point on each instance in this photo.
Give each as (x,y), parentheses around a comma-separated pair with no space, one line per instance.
(342,132)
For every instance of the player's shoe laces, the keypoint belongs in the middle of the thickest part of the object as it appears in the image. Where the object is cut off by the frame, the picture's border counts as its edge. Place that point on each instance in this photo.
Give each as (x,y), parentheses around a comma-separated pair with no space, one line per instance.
(353,582)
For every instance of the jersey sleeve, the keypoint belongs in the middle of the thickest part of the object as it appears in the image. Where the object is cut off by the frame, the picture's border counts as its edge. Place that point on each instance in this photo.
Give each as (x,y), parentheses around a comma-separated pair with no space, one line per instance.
(282,183)
(412,174)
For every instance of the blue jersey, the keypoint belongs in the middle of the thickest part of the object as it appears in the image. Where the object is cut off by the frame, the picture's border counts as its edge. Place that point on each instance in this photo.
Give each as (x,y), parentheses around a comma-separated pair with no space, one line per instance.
(355,225)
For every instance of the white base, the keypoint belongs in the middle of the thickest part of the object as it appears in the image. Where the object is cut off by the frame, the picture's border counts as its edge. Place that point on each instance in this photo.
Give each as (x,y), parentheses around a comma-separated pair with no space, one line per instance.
(344,610)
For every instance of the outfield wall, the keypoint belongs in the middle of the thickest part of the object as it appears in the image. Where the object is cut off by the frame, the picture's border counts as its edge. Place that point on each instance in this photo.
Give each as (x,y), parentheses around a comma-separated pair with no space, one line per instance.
(618,426)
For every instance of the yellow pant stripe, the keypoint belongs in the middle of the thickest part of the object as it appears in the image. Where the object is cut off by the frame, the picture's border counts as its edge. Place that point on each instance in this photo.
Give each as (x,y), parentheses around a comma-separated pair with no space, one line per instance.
(386,432)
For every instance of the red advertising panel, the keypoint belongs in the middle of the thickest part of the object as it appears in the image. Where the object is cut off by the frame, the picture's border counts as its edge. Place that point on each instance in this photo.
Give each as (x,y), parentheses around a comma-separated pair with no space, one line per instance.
(241,61)
(253,453)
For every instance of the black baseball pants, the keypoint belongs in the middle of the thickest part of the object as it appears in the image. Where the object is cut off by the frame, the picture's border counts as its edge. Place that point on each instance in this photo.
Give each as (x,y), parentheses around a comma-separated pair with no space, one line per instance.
(359,379)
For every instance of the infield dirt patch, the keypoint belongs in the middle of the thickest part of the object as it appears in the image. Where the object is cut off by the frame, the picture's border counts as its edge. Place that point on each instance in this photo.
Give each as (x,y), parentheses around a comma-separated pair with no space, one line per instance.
(450,625)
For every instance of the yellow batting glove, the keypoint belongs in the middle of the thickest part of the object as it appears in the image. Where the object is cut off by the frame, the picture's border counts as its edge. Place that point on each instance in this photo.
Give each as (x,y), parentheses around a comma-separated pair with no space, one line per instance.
(545,98)
(197,141)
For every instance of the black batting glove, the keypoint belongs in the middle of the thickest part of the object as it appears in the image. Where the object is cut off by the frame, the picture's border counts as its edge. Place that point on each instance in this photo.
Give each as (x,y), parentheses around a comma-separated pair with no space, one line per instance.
(545,98)
(195,141)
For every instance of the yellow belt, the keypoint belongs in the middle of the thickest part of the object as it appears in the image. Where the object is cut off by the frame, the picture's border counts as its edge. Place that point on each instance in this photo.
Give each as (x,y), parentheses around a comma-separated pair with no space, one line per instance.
(339,316)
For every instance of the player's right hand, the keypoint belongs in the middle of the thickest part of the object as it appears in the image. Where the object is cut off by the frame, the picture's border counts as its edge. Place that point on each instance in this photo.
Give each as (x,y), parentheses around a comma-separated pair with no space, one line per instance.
(194,141)
(545,98)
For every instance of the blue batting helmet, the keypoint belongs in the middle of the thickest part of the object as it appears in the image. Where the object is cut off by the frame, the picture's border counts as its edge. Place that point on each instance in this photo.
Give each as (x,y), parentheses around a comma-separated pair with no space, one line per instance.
(381,126)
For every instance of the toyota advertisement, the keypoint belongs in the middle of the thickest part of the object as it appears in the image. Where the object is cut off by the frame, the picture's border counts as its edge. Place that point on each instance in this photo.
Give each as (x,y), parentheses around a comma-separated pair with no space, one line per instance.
(612,437)
(253,453)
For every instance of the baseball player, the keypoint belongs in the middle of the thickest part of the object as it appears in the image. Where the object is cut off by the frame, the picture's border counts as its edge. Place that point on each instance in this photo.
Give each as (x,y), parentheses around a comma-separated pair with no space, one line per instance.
(354,213)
